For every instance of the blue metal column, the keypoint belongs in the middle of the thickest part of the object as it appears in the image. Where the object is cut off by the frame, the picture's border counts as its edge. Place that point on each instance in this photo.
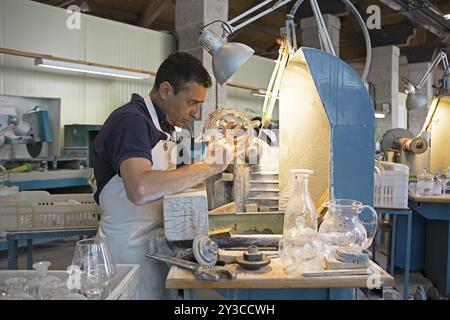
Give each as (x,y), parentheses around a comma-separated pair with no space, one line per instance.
(12,254)
(30,254)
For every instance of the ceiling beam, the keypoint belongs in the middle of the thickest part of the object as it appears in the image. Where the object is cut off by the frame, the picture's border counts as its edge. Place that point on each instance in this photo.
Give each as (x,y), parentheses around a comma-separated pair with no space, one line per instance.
(68,2)
(268,32)
(422,13)
(424,53)
(152,11)
(393,34)
(111,12)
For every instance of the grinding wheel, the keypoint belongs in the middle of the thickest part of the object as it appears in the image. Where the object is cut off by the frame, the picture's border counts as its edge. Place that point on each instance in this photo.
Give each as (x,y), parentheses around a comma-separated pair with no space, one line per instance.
(390,136)
(205,250)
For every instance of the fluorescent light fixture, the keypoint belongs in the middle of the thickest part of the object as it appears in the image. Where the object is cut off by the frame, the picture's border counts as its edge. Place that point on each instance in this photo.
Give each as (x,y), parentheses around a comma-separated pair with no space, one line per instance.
(447,16)
(85,68)
(379,115)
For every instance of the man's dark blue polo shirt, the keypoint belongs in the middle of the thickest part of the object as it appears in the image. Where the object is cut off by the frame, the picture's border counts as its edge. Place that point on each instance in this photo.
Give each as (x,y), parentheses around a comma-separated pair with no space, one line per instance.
(128,132)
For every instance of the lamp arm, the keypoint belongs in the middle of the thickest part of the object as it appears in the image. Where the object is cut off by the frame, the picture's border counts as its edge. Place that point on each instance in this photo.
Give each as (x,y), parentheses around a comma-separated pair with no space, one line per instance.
(277,5)
(442,56)
(362,25)
(246,13)
(295,8)
(445,62)
(323,32)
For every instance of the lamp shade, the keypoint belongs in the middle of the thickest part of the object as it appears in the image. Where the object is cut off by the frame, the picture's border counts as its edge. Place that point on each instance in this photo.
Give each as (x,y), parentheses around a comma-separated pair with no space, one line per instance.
(228,59)
(416,101)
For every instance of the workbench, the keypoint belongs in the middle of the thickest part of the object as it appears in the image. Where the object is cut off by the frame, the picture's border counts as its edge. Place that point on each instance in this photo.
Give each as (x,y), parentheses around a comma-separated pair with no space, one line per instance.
(271,282)
(436,211)
(51,179)
(14,237)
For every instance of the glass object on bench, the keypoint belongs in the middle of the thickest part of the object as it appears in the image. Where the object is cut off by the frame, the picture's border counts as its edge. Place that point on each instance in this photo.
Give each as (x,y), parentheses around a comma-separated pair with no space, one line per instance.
(34,286)
(425,184)
(301,250)
(59,291)
(15,290)
(443,177)
(343,229)
(300,210)
(93,260)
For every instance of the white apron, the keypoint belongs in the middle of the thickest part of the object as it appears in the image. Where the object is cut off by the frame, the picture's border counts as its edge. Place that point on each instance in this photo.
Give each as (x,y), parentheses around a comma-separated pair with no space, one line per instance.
(128,228)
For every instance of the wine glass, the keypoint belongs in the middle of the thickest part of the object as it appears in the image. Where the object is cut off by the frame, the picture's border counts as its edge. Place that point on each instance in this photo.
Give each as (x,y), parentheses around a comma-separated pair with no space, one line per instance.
(94,267)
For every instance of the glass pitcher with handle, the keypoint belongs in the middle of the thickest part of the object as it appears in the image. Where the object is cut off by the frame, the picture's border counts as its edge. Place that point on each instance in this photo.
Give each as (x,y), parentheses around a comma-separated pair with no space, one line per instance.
(342,228)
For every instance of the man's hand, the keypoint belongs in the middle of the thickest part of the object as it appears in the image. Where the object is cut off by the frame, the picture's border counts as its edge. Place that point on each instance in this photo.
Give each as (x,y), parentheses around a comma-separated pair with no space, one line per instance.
(219,155)
(223,151)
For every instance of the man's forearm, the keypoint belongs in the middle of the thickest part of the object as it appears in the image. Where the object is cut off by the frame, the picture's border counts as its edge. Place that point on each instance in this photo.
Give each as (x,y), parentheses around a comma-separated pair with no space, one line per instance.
(154,185)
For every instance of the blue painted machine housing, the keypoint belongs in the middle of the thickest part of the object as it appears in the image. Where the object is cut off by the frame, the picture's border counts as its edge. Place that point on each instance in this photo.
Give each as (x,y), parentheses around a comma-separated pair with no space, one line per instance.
(351,114)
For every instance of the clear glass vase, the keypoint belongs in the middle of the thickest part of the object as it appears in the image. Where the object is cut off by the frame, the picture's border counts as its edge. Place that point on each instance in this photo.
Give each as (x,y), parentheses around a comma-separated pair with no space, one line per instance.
(301,250)
(300,210)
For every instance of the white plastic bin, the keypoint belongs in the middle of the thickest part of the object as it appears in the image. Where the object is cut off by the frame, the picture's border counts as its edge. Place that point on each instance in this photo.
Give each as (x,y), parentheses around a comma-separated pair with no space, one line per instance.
(39,210)
(391,190)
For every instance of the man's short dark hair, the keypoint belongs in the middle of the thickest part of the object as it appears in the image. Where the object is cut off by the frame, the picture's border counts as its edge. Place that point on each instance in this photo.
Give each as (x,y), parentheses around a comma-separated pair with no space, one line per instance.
(180,68)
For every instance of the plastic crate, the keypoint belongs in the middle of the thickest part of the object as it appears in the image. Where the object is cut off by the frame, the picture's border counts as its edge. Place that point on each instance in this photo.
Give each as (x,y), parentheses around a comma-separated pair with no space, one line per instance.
(122,287)
(39,210)
(391,190)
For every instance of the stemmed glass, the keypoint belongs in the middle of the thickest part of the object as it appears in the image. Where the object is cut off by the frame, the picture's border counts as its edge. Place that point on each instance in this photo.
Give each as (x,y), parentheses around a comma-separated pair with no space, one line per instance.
(94,267)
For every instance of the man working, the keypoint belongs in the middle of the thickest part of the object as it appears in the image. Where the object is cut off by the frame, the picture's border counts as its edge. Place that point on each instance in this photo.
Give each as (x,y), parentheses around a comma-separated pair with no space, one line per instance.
(134,168)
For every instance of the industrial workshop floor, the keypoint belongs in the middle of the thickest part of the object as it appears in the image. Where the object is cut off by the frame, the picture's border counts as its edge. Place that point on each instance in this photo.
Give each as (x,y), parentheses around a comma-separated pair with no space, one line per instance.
(59,253)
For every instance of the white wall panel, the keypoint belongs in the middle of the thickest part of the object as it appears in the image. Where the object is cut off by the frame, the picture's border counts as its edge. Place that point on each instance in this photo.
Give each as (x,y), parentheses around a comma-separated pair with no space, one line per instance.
(256,72)
(85,99)
(42,28)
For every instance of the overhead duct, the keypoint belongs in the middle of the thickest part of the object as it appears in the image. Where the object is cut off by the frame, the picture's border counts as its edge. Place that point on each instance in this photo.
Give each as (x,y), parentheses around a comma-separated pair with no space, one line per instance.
(422,13)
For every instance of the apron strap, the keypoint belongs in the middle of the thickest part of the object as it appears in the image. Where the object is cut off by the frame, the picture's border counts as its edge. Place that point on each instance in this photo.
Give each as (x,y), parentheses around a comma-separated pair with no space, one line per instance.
(154,116)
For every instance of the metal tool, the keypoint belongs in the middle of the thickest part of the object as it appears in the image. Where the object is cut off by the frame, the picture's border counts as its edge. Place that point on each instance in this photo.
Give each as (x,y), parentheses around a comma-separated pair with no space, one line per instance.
(201,272)
(252,259)
(205,250)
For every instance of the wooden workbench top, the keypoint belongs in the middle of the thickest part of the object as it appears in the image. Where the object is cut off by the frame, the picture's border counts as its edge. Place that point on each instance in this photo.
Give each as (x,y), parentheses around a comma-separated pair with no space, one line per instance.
(435,199)
(272,276)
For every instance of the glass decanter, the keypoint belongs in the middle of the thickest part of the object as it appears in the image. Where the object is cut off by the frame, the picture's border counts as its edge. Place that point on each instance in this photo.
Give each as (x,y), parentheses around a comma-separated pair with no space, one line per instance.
(301,250)
(343,230)
(34,286)
(286,194)
(300,209)
(15,290)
